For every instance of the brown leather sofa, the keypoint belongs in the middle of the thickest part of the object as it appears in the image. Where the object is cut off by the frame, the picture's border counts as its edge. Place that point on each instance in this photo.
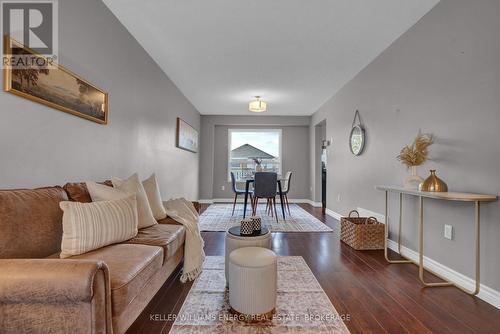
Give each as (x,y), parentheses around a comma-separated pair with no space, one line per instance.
(102,291)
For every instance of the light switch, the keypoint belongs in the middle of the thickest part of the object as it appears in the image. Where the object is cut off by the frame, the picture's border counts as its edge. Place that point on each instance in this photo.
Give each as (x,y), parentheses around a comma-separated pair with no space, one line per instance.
(448,232)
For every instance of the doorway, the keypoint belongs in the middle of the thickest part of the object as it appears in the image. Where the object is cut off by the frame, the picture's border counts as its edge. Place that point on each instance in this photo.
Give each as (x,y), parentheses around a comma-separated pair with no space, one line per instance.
(320,170)
(323,176)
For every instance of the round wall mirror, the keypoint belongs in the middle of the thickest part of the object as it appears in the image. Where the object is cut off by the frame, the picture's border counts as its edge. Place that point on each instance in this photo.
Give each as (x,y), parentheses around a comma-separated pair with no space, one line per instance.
(357,140)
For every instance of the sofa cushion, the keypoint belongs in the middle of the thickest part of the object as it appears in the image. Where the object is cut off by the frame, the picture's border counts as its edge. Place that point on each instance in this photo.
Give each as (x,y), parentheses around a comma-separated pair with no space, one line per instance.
(169,237)
(30,222)
(130,269)
(77,191)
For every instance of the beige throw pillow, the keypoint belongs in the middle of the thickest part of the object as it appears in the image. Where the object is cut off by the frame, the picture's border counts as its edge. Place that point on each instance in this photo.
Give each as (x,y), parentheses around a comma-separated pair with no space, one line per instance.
(89,226)
(101,192)
(154,197)
(134,186)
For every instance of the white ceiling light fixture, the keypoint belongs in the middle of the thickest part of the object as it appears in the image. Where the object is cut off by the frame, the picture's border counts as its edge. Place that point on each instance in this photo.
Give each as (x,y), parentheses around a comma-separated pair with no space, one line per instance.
(257,105)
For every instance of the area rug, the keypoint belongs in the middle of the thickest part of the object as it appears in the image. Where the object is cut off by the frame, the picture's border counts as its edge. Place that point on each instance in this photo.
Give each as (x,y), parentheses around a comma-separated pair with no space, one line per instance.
(217,217)
(302,305)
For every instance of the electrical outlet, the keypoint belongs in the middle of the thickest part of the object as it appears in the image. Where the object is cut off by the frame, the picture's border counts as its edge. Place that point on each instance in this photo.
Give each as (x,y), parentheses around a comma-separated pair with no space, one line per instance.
(338,198)
(448,232)
(223,187)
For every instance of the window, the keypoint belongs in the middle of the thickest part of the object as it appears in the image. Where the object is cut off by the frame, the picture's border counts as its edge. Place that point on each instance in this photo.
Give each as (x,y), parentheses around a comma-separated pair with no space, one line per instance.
(249,148)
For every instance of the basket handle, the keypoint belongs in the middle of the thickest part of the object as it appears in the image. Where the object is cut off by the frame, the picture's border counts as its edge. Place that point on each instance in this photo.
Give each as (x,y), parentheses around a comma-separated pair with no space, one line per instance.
(352,211)
(371,220)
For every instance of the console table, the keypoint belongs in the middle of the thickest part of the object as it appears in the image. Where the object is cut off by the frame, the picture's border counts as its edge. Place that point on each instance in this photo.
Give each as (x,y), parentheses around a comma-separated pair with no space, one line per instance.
(448,196)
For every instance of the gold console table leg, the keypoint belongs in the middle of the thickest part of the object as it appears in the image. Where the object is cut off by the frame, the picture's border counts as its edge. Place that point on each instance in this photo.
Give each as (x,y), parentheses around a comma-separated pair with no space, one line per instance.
(477,218)
(399,229)
(421,255)
(421,252)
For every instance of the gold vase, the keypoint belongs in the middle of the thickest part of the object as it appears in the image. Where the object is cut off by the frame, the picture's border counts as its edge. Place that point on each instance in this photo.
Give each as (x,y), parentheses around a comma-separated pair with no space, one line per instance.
(433,183)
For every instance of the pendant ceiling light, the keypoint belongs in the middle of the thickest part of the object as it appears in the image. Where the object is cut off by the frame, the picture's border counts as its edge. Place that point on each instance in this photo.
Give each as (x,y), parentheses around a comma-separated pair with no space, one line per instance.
(257,105)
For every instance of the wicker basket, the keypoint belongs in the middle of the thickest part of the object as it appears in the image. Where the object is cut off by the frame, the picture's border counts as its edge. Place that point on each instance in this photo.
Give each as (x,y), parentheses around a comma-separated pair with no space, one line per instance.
(362,233)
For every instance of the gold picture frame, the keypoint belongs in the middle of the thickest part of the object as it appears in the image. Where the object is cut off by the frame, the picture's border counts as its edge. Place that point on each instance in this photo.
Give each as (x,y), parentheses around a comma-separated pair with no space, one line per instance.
(55,86)
(186,136)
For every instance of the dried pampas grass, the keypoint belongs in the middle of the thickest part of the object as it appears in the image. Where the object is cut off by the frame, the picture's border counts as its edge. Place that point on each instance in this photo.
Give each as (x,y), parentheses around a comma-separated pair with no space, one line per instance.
(416,153)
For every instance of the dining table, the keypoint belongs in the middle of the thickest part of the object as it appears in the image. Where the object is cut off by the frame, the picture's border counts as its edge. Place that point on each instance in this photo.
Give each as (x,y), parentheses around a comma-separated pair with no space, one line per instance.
(250,180)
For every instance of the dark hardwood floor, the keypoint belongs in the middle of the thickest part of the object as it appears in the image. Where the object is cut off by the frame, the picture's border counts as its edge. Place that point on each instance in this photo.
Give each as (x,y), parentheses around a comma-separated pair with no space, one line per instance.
(377,297)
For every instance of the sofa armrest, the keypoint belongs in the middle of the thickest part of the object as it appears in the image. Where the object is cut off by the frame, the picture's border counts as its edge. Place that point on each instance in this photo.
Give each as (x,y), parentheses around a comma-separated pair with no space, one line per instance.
(47,280)
(54,295)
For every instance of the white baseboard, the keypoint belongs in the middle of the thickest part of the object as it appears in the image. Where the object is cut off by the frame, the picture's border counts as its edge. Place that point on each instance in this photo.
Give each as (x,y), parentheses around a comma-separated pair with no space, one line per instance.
(310,202)
(296,200)
(316,204)
(486,293)
(333,214)
(362,213)
(205,201)
(369,213)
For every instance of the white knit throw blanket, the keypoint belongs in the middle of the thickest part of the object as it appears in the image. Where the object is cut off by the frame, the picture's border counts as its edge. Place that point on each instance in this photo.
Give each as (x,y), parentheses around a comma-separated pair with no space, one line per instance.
(184,212)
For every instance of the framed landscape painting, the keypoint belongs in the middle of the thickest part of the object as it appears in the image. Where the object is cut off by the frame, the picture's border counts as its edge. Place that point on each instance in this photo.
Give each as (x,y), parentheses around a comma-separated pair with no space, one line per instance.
(186,136)
(53,86)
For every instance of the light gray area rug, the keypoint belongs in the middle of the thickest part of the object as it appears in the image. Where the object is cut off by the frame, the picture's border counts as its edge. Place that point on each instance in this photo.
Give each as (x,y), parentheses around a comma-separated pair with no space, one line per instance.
(302,305)
(217,217)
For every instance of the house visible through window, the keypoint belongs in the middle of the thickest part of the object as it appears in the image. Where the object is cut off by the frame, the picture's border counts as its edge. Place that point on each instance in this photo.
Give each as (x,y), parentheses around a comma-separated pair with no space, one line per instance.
(252,150)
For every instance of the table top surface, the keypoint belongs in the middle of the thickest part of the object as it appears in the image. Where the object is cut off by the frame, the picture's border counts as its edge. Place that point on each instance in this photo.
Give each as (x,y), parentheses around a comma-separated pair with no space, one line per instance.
(449,196)
(236,231)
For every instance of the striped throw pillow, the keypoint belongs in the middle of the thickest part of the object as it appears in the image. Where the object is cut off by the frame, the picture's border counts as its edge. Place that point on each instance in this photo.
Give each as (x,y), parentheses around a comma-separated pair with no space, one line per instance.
(89,226)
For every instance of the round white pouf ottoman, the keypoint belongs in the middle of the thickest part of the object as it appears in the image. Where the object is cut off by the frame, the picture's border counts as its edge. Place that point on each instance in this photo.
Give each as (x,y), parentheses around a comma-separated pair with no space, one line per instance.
(253,282)
(236,241)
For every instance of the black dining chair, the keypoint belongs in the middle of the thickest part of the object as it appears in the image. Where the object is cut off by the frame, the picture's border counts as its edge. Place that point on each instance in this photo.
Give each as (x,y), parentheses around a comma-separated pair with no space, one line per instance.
(286,189)
(238,191)
(265,187)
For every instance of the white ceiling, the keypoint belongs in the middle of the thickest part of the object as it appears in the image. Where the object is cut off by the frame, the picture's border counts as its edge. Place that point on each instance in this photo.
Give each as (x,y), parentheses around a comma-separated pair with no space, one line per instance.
(294,53)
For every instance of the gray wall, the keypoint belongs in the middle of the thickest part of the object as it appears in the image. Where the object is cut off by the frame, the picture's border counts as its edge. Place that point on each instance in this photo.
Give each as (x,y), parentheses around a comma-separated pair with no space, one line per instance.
(42,146)
(442,76)
(214,145)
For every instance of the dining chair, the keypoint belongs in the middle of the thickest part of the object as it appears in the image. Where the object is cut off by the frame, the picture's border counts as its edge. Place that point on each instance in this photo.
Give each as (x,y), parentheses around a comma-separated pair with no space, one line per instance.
(238,191)
(265,187)
(286,188)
